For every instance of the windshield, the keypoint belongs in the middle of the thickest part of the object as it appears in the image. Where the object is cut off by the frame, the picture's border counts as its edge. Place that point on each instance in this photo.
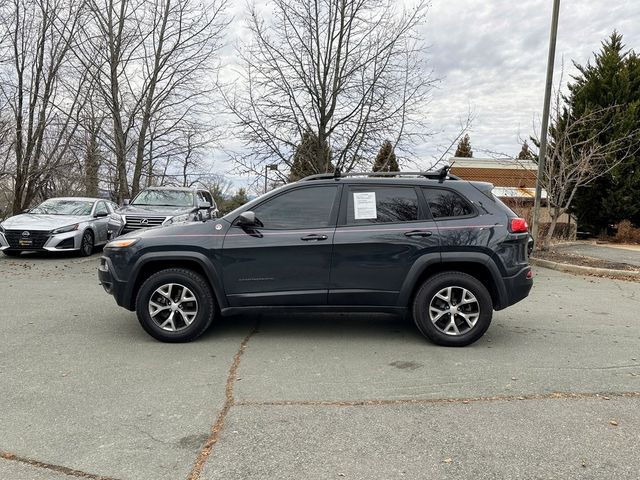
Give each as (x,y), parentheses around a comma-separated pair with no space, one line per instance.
(169,198)
(64,207)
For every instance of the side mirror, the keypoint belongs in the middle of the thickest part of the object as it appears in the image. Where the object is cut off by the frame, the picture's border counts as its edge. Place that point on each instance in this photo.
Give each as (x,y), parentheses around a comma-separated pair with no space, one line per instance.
(203,205)
(246,219)
(126,201)
(100,214)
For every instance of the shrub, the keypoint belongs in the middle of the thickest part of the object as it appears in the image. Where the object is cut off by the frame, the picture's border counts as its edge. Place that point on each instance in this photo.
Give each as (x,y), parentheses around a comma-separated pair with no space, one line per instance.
(626,233)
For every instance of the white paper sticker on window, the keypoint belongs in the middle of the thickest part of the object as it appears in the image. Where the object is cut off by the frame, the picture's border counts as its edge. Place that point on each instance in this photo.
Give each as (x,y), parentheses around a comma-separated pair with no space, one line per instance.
(364,206)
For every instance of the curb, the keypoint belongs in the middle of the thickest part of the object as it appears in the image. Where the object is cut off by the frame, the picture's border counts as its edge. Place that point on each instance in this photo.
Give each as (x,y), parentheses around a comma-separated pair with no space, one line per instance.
(581,270)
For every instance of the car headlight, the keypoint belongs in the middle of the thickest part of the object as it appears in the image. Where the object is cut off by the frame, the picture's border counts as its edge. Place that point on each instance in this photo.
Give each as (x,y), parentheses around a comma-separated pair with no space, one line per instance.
(185,217)
(69,228)
(122,243)
(116,217)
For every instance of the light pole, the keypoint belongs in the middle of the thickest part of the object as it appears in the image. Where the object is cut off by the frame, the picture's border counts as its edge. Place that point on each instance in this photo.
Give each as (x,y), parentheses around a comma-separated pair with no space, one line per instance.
(272,166)
(545,120)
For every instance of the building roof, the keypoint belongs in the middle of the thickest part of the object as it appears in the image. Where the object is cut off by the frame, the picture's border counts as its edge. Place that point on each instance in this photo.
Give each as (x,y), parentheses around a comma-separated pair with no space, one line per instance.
(501,172)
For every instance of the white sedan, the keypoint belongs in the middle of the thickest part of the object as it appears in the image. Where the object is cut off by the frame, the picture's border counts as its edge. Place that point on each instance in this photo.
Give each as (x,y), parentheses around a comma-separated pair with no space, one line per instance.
(58,225)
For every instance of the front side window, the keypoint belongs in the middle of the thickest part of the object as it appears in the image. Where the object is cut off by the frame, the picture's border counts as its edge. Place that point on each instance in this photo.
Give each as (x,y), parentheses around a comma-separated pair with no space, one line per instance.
(375,204)
(101,208)
(298,209)
(446,203)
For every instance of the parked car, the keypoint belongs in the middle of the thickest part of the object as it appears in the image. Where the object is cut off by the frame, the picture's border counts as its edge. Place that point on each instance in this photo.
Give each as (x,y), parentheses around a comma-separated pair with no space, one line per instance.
(58,225)
(445,250)
(157,206)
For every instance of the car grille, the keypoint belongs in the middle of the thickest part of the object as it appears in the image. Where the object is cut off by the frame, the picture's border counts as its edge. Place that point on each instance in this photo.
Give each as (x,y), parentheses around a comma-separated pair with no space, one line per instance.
(136,222)
(38,238)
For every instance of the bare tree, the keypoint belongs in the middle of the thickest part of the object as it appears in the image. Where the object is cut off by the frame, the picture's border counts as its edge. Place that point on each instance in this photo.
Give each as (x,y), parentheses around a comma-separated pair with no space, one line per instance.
(153,63)
(351,72)
(576,156)
(42,90)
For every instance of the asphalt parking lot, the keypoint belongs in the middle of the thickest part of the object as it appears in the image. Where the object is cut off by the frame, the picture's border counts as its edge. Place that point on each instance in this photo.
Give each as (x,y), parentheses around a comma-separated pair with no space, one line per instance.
(551,391)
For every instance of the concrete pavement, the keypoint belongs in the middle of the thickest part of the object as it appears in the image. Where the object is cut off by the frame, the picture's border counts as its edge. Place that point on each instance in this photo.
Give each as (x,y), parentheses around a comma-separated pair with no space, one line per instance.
(85,390)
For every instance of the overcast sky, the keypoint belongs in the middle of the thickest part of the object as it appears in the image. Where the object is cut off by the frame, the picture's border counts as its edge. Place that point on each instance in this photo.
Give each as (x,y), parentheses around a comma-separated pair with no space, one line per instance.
(490,57)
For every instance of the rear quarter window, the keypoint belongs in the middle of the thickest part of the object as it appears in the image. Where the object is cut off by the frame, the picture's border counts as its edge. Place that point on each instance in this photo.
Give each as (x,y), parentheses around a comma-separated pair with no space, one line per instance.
(447,203)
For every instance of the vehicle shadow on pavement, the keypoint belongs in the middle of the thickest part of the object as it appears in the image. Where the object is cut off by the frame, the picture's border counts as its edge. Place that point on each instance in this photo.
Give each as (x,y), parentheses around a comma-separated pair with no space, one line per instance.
(320,326)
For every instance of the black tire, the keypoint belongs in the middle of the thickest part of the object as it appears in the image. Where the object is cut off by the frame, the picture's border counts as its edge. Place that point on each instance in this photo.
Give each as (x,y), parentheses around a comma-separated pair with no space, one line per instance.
(427,292)
(206,305)
(12,253)
(86,245)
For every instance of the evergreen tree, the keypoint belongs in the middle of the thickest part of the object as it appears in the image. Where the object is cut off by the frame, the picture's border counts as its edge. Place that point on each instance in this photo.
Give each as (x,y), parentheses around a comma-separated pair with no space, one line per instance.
(525,152)
(386,159)
(307,158)
(237,200)
(612,81)
(464,148)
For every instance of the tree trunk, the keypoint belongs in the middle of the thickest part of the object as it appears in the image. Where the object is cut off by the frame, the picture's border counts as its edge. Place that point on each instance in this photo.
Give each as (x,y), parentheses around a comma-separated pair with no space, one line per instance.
(91,166)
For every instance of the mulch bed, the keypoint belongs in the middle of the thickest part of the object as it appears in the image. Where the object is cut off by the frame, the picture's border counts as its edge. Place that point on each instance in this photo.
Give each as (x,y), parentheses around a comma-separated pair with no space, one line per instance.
(572,259)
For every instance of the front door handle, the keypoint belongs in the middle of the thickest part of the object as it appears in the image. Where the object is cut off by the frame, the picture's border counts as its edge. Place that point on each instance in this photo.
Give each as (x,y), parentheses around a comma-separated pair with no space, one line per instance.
(315,237)
(418,233)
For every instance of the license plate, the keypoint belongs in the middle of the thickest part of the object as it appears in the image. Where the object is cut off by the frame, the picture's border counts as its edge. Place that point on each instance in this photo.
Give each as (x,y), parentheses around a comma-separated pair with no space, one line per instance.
(25,243)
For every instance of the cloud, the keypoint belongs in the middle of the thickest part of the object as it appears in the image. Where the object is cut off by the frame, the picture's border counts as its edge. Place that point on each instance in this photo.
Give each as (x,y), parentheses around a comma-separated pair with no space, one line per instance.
(491,55)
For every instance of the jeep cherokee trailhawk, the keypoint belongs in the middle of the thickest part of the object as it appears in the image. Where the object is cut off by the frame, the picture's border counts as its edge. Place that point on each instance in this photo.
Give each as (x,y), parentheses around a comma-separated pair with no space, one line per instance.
(445,250)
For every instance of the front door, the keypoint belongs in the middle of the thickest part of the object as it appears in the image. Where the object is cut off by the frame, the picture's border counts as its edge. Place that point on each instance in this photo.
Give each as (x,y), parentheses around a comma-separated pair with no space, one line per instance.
(287,258)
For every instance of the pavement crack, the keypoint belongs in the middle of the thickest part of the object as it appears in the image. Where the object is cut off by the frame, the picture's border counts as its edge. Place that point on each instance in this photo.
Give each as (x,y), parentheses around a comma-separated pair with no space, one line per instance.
(216,428)
(12,457)
(423,401)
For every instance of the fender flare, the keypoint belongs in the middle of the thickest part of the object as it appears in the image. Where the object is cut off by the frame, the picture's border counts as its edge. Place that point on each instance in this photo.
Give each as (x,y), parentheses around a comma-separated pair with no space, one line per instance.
(201,259)
(429,260)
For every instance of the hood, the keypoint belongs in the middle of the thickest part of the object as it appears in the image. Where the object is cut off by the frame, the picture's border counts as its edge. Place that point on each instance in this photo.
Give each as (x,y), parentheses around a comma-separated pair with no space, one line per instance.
(37,221)
(154,210)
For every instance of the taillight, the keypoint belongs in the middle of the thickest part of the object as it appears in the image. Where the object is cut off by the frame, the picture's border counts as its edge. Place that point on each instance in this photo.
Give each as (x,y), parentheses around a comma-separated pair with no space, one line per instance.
(519,225)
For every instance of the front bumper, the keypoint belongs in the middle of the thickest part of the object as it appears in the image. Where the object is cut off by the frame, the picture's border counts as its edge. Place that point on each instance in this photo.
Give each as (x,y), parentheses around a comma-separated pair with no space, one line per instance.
(112,284)
(45,241)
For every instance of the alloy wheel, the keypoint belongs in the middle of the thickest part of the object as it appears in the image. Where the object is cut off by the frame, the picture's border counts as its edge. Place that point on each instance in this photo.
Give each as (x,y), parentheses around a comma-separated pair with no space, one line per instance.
(454,310)
(173,307)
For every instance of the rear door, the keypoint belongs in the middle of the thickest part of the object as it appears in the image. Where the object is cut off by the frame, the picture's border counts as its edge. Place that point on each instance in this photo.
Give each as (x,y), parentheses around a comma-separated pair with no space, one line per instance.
(286,260)
(382,231)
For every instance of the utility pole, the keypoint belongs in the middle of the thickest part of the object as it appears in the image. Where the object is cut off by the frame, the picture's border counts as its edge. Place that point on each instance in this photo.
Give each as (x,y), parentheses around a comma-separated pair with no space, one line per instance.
(545,119)
(273,166)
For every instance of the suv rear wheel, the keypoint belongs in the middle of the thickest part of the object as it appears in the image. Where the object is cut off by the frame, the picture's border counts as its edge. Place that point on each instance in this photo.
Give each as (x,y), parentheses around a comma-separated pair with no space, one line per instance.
(452,309)
(175,305)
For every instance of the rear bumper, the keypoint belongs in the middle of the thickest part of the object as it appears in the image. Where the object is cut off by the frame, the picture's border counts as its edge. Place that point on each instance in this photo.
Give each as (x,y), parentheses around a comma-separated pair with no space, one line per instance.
(517,287)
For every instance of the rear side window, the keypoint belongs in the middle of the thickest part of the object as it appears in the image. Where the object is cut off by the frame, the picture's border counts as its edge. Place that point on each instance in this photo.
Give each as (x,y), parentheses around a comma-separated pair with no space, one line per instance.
(375,204)
(446,203)
(298,209)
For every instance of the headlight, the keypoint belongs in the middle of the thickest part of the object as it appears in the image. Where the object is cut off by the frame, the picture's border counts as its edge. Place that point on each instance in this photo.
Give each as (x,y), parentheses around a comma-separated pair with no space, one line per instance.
(70,228)
(123,243)
(185,217)
(116,217)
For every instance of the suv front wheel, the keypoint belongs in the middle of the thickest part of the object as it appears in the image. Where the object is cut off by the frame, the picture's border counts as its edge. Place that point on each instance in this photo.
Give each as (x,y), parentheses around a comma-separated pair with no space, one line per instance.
(452,309)
(175,305)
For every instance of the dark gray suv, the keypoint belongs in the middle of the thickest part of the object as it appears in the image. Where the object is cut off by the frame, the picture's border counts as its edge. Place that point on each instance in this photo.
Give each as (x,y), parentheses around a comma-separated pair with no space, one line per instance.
(445,250)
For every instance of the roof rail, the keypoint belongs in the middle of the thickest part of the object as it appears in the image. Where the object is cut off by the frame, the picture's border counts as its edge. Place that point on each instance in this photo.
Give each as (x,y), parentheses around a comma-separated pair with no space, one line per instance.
(441,175)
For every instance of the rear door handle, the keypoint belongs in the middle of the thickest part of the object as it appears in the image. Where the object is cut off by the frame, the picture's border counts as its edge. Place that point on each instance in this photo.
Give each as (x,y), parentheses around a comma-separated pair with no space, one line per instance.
(418,233)
(315,237)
